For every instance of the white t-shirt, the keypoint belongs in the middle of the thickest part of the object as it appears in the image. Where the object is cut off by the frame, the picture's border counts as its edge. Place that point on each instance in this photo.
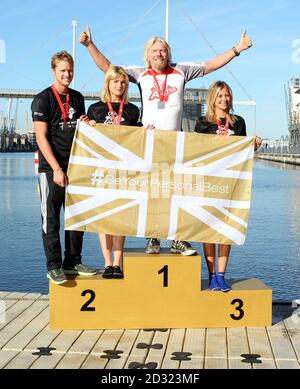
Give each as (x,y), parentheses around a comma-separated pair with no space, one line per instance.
(169,87)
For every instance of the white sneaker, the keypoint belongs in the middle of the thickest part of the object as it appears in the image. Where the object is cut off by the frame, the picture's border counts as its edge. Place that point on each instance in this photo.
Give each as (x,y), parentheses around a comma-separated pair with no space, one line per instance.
(153,246)
(182,247)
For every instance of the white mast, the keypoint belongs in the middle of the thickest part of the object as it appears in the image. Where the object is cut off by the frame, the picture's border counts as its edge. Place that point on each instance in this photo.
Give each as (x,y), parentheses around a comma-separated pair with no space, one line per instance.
(167,21)
(74,25)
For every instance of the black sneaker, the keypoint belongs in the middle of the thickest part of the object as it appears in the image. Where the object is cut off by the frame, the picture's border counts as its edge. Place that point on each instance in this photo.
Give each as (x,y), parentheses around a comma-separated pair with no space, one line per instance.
(117,272)
(182,247)
(79,269)
(108,272)
(153,246)
(57,276)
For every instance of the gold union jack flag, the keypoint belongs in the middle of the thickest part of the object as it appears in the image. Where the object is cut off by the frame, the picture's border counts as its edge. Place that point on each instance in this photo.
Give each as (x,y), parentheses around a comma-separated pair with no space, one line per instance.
(165,184)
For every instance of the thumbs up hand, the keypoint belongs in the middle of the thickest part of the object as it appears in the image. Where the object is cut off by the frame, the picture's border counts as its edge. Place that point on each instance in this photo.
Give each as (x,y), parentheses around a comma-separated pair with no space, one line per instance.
(245,42)
(85,38)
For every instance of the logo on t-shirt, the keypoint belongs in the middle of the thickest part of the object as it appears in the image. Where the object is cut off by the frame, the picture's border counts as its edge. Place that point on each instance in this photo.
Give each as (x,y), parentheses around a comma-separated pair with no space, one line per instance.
(109,120)
(155,93)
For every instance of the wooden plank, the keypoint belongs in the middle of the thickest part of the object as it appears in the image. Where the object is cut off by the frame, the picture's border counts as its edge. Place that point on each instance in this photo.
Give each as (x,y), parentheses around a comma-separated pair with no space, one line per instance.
(215,345)
(22,338)
(139,355)
(44,297)
(194,343)
(287,364)
(47,362)
(266,364)
(92,362)
(14,310)
(259,342)
(85,342)
(175,344)
(16,325)
(125,344)
(16,295)
(71,361)
(238,364)
(237,343)
(108,341)
(43,339)
(215,363)
(31,296)
(281,343)
(292,325)
(64,340)
(157,355)
(3,295)
(6,356)
(22,361)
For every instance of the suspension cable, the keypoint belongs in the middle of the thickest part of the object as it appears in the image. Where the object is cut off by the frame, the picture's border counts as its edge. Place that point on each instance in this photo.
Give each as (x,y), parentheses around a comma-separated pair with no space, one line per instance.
(212,47)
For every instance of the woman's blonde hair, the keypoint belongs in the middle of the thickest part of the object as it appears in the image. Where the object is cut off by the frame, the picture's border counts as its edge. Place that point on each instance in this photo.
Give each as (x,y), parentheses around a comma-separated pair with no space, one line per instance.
(113,73)
(212,94)
(150,43)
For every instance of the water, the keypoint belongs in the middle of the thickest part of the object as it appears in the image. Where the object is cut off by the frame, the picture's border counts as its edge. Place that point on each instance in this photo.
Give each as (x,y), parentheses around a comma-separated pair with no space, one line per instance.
(271,252)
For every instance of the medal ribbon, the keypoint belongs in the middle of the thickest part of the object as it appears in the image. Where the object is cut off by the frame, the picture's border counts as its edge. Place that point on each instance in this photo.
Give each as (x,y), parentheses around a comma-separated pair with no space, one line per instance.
(64,111)
(161,91)
(112,112)
(223,130)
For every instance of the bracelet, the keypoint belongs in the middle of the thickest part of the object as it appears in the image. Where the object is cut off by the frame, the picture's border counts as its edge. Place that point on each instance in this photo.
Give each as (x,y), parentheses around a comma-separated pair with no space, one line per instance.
(236,53)
(55,171)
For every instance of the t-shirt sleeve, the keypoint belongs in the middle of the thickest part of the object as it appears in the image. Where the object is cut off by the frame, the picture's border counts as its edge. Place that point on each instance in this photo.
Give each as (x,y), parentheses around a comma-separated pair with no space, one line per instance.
(90,113)
(243,130)
(40,110)
(133,72)
(82,106)
(241,126)
(191,70)
(200,126)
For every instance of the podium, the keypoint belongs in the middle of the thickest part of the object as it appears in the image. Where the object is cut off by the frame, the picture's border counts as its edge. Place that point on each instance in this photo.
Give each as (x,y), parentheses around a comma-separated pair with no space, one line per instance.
(158,291)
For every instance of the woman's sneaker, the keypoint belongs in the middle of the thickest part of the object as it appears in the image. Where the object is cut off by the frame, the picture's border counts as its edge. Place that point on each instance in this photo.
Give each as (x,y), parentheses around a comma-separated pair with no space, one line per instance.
(108,272)
(57,276)
(221,281)
(182,247)
(117,272)
(153,246)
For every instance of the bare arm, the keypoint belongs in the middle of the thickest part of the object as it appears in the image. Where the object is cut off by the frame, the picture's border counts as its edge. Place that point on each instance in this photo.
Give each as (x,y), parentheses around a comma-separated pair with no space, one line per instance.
(41,130)
(223,59)
(101,61)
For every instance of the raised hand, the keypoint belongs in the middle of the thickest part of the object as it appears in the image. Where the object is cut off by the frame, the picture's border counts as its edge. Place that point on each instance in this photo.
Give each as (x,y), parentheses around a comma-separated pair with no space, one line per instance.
(85,38)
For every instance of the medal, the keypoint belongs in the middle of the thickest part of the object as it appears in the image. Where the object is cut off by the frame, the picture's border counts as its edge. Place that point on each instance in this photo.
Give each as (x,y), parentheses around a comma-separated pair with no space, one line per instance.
(161,104)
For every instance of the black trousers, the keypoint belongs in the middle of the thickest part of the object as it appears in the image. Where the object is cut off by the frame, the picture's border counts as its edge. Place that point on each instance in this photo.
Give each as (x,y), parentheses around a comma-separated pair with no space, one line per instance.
(52,200)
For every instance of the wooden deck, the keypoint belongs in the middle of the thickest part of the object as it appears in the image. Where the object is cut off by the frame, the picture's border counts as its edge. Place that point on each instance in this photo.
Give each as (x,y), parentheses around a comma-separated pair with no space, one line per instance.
(27,343)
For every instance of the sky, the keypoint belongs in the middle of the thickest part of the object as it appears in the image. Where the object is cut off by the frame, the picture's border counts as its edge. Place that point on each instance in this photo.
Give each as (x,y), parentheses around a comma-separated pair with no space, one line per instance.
(32,31)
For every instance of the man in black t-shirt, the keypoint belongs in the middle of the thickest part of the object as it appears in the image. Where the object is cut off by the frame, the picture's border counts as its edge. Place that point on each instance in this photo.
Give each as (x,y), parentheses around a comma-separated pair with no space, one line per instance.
(54,113)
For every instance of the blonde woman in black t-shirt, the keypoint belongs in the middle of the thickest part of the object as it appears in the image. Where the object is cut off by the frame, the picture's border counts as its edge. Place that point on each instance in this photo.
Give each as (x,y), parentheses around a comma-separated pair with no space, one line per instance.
(113,109)
(220,120)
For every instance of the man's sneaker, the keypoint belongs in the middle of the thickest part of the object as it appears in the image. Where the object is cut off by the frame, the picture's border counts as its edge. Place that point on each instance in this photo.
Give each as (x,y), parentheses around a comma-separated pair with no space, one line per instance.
(57,276)
(80,269)
(153,246)
(182,247)
(117,272)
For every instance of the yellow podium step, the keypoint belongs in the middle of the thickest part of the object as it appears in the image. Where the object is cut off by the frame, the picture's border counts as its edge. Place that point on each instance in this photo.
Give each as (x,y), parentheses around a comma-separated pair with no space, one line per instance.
(158,291)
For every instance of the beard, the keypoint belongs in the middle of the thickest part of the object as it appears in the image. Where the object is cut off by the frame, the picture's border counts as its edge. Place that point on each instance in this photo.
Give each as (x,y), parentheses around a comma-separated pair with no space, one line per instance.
(160,64)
